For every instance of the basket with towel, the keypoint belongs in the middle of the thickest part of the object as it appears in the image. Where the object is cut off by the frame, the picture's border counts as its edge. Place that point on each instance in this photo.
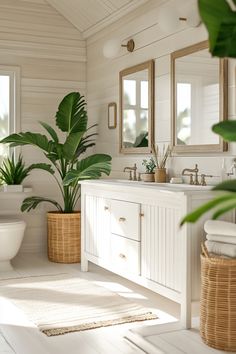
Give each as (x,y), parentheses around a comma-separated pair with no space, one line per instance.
(218,290)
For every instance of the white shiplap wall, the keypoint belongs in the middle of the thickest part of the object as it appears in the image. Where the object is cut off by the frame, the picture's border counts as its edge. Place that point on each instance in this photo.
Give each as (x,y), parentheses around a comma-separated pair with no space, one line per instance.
(150,43)
(51,55)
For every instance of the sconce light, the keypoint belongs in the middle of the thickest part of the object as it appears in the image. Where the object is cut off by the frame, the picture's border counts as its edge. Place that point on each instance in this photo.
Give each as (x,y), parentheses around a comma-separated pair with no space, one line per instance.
(112,47)
(173,16)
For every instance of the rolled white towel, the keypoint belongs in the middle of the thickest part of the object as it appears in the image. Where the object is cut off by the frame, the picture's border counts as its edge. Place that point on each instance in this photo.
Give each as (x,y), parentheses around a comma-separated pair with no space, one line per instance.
(217,227)
(221,249)
(222,239)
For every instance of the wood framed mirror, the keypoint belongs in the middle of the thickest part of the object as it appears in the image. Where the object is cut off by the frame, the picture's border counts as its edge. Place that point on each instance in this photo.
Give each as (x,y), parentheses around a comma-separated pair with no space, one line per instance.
(199,85)
(136,86)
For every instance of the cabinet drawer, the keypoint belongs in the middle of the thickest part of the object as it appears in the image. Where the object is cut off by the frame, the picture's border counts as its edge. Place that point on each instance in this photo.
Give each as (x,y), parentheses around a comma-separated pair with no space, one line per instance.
(125,219)
(125,255)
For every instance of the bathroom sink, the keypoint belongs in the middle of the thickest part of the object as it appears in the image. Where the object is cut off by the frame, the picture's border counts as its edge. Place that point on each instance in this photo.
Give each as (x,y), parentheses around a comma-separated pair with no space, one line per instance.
(167,186)
(183,186)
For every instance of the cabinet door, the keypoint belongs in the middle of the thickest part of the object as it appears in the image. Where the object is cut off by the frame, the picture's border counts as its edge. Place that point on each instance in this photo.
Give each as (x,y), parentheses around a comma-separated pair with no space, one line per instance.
(161,246)
(97,226)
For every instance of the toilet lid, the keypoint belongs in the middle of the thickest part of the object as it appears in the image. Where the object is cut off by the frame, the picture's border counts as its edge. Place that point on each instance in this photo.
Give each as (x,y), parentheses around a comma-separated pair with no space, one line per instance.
(10,220)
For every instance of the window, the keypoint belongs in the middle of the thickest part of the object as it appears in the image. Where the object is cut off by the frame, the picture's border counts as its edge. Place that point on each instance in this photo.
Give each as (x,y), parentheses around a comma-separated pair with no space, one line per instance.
(9,104)
(135,110)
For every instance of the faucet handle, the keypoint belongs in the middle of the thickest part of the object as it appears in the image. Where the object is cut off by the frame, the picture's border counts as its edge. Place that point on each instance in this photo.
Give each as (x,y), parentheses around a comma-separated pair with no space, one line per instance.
(135,173)
(203,179)
(191,179)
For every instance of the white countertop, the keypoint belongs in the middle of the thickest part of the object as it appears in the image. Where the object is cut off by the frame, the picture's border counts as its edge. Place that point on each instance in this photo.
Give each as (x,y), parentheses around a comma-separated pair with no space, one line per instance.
(157,186)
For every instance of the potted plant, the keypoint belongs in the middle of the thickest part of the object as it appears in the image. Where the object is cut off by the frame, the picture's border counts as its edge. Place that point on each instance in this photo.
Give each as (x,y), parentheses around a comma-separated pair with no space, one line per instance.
(150,166)
(160,159)
(67,168)
(13,172)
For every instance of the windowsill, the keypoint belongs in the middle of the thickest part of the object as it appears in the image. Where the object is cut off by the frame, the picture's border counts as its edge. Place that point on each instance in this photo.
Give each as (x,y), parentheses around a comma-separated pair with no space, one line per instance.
(25,190)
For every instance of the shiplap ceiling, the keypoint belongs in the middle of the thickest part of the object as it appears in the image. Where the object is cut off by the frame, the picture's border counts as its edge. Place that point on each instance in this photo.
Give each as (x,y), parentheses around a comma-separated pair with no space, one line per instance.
(90,16)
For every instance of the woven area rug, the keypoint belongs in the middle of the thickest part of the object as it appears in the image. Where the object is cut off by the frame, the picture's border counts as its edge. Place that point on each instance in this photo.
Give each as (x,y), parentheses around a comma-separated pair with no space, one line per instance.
(63,303)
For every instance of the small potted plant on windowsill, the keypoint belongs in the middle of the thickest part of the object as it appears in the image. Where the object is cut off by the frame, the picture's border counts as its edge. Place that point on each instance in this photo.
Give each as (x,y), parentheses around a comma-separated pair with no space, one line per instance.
(13,172)
(148,175)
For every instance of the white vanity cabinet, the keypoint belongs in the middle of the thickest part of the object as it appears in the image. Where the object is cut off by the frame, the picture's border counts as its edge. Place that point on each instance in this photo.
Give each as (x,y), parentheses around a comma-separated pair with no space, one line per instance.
(132,229)
(97,220)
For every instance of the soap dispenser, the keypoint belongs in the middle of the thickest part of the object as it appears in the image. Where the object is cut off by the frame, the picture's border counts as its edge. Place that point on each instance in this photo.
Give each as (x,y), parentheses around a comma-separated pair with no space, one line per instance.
(224,174)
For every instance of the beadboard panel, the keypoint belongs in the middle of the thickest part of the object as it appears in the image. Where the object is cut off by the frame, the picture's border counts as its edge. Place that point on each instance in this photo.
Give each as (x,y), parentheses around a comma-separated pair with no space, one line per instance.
(103,85)
(98,223)
(160,255)
(51,55)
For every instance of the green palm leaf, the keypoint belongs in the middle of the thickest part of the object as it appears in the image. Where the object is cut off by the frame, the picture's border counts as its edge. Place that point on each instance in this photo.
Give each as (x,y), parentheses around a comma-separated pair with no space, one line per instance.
(32,202)
(28,138)
(50,131)
(41,166)
(226,129)
(229,186)
(71,145)
(71,116)
(224,210)
(197,213)
(220,21)
(91,167)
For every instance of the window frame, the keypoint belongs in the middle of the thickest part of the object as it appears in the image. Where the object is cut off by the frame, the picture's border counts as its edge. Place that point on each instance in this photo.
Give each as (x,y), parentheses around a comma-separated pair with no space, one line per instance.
(14,96)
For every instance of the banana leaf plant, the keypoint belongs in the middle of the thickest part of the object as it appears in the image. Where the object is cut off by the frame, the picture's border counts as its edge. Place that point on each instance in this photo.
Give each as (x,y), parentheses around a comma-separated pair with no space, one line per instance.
(66,165)
(219,17)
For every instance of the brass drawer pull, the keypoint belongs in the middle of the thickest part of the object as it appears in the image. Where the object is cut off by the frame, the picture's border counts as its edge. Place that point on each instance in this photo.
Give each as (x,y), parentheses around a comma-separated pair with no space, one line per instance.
(121,255)
(122,219)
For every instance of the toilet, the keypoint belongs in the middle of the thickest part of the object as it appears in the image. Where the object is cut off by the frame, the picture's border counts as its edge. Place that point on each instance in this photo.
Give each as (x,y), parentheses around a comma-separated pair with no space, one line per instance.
(11,235)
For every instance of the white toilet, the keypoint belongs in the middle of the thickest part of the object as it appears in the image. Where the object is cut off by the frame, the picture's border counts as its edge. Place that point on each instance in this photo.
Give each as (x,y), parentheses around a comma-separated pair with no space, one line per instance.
(11,235)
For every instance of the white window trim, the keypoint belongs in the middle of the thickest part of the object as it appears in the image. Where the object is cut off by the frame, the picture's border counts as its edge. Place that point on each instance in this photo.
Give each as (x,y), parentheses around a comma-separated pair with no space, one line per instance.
(15,93)
(14,74)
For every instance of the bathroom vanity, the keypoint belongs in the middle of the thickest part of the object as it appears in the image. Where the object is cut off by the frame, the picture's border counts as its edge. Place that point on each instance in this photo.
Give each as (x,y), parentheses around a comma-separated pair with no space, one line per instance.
(132,229)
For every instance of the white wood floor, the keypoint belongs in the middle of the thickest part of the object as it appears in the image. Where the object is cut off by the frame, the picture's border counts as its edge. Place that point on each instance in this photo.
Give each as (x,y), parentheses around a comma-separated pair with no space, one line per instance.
(170,339)
(18,335)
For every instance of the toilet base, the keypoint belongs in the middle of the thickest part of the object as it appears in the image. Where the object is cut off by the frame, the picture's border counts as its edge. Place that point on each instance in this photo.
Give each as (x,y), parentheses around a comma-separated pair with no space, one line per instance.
(5,266)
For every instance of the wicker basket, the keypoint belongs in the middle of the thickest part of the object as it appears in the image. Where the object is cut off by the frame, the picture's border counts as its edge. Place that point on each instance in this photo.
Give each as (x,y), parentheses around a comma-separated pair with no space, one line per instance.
(63,237)
(218,302)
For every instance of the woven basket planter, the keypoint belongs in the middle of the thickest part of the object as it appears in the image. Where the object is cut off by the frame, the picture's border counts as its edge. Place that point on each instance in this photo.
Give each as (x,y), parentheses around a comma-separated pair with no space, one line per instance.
(63,237)
(218,302)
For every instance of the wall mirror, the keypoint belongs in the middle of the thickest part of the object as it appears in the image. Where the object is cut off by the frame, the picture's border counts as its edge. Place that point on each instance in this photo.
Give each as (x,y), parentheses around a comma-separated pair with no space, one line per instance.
(199,99)
(136,108)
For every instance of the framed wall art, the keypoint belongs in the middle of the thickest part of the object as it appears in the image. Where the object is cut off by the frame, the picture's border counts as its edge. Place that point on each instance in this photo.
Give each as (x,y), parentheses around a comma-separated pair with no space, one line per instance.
(112,115)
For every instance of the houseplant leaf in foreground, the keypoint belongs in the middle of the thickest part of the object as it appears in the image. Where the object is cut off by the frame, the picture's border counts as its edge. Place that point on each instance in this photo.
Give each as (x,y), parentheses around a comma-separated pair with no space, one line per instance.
(220,21)
(223,202)
(226,129)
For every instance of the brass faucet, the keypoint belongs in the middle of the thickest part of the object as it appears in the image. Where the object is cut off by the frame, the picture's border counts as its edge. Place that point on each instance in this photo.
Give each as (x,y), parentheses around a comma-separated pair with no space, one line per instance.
(195,181)
(130,169)
(192,170)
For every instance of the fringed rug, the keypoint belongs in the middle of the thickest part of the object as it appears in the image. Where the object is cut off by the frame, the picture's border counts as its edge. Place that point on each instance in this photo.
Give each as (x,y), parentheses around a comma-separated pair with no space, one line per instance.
(62,303)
